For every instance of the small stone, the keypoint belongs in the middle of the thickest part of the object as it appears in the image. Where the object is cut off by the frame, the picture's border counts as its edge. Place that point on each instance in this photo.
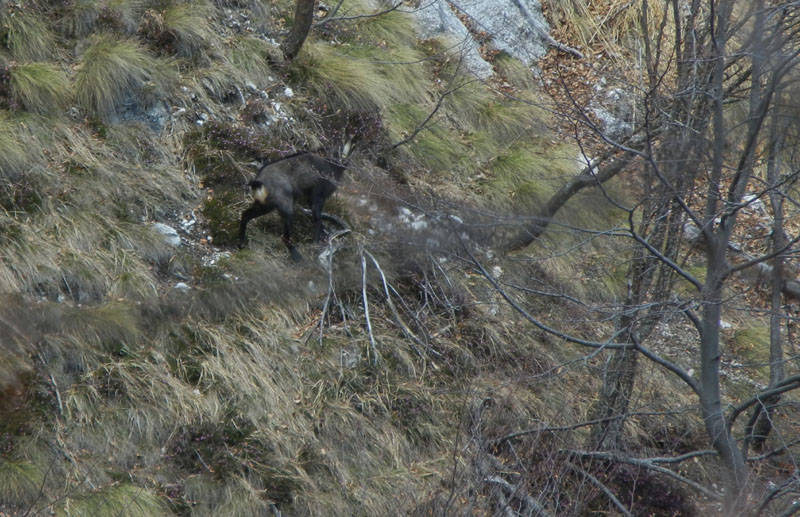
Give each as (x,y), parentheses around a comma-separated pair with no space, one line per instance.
(170,234)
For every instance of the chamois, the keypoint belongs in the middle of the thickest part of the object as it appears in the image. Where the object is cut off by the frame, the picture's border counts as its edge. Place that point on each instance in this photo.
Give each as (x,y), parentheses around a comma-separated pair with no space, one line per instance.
(279,184)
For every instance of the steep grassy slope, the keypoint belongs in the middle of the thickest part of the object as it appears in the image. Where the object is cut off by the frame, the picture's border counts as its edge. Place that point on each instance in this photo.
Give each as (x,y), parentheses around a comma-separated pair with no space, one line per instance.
(140,378)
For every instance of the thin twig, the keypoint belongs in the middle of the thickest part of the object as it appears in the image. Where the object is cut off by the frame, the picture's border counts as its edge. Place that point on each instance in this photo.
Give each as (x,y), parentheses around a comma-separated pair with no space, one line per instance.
(407,331)
(646,463)
(331,294)
(532,504)
(366,307)
(603,488)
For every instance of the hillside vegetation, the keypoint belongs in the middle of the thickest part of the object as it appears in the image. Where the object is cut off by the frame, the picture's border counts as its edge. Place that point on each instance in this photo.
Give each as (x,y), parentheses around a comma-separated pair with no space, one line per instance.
(141,378)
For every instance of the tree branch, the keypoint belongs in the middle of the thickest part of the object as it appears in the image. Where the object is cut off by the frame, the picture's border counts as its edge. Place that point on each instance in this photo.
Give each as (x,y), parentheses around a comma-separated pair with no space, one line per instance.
(785,385)
(648,464)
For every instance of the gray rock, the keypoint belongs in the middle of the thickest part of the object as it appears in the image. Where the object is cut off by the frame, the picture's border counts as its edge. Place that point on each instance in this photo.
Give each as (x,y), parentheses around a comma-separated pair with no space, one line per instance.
(154,116)
(435,19)
(691,232)
(516,27)
(350,357)
(614,108)
(170,234)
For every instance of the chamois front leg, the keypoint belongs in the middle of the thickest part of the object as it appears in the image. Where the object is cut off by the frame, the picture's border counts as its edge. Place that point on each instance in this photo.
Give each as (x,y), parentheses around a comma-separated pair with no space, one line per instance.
(256,210)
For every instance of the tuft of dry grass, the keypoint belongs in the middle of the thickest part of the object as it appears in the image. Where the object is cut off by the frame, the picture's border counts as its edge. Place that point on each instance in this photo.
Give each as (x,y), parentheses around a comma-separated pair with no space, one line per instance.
(40,88)
(13,149)
(114,70)
(340,80)
(25,34)
(250,56)
(182,29)
(116,499)
(19,482)
(614,26)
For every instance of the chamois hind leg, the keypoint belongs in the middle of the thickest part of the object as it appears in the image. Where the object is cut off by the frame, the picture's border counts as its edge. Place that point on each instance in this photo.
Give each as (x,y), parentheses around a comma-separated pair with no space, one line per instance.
(256,210)
(318,198)
(287,218)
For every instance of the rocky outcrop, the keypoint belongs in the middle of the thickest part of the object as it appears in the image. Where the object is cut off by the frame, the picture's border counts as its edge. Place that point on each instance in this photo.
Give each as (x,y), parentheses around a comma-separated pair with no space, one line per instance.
(513,26)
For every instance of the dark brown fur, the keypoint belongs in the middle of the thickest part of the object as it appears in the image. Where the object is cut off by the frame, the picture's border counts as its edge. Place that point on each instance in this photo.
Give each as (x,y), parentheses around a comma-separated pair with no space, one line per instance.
(280,184)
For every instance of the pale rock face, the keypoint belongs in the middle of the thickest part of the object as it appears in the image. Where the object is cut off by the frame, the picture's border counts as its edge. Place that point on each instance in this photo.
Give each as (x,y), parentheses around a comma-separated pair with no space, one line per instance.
(516,27)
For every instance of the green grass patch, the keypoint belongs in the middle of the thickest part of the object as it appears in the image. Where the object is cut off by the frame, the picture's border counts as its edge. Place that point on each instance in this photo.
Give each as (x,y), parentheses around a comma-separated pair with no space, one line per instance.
(436,148)
(683,287)
(40,88)
(378,52)
(467,101)
(440,149)
(751,346)
(521,173)
(482,145)
(475,106)
(400,67)
(391,30)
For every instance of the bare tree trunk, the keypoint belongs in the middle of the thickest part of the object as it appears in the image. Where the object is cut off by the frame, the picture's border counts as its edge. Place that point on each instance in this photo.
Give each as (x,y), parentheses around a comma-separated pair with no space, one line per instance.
(760,424)
(303,17)
(710,396)
(611,408)
(717,237)
(649,277)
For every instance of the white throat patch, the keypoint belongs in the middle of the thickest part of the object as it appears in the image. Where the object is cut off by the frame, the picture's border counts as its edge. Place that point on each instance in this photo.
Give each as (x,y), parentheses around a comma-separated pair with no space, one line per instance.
(260,194)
